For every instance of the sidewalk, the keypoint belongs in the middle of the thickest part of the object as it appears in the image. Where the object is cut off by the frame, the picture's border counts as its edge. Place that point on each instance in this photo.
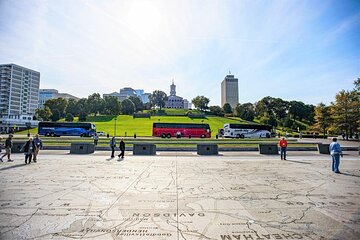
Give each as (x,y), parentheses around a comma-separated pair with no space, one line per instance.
(242,195)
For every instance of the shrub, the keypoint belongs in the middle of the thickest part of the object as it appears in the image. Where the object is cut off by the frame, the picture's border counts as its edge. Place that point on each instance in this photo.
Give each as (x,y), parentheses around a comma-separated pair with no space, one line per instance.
(82,116)
(69,117)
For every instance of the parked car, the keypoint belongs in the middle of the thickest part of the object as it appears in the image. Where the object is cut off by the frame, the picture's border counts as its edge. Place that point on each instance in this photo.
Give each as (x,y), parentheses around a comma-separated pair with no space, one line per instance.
(100,133)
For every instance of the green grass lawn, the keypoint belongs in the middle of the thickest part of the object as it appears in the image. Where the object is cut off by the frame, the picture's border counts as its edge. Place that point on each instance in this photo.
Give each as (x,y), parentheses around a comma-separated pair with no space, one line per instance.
(143,126)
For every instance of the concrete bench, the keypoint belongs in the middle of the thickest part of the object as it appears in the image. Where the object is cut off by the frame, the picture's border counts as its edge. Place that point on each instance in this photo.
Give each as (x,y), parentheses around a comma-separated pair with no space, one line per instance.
(144,149)
(82,148)
(207,149)
(323,148)
(16,148)
(268,148)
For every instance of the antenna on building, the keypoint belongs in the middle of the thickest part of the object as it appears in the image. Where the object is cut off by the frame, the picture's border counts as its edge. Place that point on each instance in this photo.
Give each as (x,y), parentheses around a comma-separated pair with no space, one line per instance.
(229,72)
(173,81)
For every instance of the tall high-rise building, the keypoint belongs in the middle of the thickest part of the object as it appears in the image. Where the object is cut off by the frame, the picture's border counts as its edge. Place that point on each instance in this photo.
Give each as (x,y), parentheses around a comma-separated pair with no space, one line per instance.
(230,91)
(19,95)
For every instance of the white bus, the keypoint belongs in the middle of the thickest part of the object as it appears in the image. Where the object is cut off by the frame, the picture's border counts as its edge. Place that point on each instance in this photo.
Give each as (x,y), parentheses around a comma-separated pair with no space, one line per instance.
(234,130)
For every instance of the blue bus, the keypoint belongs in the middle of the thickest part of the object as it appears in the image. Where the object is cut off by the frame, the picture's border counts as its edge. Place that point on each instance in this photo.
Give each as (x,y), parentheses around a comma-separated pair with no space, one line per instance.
(57,129)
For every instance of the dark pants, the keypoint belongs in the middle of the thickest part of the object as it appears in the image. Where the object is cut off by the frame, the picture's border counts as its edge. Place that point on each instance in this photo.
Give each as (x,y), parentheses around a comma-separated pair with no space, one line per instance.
(112,151)
(28,156)
(122,153)
(283,153)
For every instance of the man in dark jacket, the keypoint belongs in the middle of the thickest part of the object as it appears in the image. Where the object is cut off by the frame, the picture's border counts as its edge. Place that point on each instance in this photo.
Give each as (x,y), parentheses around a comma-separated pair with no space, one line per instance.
(122,148)
(29,149)
(8,146)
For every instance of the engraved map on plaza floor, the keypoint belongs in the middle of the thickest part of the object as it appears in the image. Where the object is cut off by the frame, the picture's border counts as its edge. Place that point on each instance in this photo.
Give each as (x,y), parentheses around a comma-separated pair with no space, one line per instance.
(224,198)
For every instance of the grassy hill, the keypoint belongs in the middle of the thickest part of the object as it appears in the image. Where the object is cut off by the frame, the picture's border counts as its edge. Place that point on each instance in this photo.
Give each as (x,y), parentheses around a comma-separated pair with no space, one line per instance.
(143,126)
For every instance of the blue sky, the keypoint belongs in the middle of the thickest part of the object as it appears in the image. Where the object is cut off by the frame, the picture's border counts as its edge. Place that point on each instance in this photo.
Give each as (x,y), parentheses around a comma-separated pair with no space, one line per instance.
(295,50)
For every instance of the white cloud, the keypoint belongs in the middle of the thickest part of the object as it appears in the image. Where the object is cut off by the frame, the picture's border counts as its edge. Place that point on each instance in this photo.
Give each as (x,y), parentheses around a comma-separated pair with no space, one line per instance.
(90,46)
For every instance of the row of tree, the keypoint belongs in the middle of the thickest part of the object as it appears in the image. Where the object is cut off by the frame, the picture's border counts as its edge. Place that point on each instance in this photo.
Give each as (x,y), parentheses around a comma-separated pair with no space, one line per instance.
(55,109)
(269,110)
(341,116)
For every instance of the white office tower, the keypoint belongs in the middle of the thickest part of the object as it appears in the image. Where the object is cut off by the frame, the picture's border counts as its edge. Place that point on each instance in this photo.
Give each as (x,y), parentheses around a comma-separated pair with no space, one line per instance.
(19,95)
(230,91)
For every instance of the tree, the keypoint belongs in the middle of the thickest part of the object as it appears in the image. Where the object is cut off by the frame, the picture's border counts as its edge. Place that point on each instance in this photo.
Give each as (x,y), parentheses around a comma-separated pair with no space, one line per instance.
(69,117)
(158,98)
(345,112)
(356,93)
(82,116)
(287,122)
(111,105)
(322,118)
(95,103)
(216,110)
(55,115)
(127,107)
(139,105)
(73,107)
(43,113)
(201,102)
(148,106)
(59,104)
(272,121)
(227,108)
(269,106)
(245,111)
(357,85)
(82,106)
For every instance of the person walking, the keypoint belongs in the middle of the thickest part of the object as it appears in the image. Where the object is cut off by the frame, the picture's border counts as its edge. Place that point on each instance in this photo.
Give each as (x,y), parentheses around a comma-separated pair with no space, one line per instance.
(38,144)
(29,149)
(122,148)
(283,145)
(335,152)
(8,146)
(1,145)
(96,139)
(112,145)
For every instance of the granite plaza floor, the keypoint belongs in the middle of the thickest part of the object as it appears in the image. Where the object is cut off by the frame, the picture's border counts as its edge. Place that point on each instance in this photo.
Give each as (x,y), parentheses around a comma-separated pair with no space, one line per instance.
(180,196)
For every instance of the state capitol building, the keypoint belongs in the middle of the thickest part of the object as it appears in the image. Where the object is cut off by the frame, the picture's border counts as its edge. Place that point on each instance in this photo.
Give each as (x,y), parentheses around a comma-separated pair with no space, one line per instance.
(176,101)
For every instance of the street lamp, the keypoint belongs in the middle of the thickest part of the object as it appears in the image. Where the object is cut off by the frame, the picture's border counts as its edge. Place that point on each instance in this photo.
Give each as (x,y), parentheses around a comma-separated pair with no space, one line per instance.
(115,127)
(28,126)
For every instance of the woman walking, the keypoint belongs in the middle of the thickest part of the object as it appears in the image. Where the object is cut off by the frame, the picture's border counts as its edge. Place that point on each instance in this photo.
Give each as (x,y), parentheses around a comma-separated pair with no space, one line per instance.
(29,149)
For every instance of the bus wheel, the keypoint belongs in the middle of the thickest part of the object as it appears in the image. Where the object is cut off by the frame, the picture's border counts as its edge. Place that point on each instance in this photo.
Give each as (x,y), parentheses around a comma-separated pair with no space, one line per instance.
(168,135)
(237,135)
(163,135)
(82,135)
(52,134)
(47,134)
(242,136)
(202,136)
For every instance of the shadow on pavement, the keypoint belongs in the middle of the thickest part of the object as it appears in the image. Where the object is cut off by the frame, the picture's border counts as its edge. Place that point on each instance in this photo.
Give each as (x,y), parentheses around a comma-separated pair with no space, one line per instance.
(350,175)
(297,161)
(12,166)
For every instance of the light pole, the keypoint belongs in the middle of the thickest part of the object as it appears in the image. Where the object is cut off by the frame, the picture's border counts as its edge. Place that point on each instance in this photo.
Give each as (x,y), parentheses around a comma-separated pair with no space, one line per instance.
(28,126)
(115,127)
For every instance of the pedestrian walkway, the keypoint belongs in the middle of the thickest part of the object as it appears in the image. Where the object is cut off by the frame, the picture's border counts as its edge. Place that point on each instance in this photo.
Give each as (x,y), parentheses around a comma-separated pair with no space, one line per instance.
(226,197)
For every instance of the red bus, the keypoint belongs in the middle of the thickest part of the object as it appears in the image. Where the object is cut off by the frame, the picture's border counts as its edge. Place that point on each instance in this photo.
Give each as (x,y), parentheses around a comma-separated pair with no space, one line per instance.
(182,129)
